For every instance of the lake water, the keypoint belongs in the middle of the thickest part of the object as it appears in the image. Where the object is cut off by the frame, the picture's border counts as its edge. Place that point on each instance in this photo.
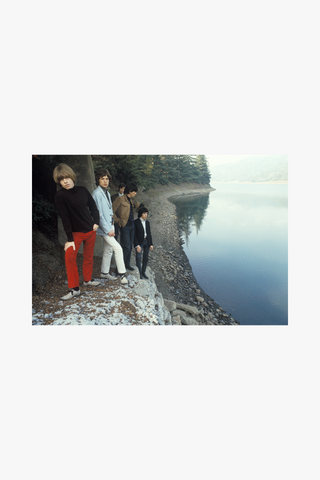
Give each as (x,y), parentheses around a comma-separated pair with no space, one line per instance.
(236,239)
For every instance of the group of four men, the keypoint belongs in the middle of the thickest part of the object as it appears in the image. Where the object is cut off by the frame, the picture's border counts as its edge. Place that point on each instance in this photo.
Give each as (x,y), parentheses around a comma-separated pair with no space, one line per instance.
(84,215)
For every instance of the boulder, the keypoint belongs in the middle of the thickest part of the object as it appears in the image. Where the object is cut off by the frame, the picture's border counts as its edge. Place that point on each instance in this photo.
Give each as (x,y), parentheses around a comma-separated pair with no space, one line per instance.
(170,304)
(188,308)
(187,320)
(176,320)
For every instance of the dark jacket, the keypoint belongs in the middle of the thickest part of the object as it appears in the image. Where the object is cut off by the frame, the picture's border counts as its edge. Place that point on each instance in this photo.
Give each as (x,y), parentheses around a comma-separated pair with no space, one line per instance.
(114,196)
(139,233)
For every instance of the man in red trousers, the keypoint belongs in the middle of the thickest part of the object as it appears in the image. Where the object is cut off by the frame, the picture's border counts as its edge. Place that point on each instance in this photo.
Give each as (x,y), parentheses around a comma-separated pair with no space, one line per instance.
(80,219)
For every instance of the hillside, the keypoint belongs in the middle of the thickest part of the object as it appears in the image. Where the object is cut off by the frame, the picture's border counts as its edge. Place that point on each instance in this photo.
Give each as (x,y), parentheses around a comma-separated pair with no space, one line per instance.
(273,168)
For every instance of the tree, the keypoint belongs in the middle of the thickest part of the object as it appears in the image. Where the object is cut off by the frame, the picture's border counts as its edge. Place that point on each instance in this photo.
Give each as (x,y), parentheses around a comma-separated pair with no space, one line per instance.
(202,168)
(150,170)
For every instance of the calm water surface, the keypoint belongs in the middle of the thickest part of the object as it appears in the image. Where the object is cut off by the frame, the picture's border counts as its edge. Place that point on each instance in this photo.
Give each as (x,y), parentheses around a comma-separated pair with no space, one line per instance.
(237,244)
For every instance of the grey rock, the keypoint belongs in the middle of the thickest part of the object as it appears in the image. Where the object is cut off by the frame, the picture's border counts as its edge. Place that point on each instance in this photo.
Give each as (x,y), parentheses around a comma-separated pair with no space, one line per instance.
(159,299)
(142,290)
(188,308)
(186,320)
(176,320)
(178,312)
(134,273)
(199,299)
(170,304)
(167,316)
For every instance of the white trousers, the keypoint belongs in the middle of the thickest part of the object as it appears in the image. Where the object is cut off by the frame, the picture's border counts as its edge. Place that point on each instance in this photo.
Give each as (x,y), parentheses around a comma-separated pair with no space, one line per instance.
(111,245)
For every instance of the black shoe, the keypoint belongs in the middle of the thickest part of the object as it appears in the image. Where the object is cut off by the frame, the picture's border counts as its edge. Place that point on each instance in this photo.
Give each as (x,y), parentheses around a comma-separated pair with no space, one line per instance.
(144,276)
(129,268)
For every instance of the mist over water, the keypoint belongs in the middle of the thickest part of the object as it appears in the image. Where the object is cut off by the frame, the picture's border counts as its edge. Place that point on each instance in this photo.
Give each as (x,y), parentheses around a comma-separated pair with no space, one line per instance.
(236,239)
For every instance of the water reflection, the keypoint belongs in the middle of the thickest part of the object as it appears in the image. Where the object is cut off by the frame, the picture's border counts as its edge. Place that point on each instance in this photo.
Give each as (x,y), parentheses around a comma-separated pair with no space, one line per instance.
(240,256)
(191,212)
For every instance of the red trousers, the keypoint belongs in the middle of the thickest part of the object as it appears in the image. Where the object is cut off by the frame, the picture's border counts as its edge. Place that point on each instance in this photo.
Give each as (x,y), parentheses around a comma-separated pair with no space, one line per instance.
(88,240)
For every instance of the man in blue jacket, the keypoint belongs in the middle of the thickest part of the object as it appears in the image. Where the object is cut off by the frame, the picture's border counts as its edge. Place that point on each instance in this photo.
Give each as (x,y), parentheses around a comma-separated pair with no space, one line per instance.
(106,227)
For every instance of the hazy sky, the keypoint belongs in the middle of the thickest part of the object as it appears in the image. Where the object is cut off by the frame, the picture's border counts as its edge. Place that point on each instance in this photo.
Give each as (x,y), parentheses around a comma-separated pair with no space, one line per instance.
(222,159)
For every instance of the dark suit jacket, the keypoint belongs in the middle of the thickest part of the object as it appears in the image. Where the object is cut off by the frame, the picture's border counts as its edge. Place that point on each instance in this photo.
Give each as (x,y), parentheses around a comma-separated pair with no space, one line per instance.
(114,196)
(139,233)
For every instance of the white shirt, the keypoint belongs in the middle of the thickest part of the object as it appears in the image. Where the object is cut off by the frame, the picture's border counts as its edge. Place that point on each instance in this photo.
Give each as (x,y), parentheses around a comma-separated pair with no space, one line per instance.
(144,227)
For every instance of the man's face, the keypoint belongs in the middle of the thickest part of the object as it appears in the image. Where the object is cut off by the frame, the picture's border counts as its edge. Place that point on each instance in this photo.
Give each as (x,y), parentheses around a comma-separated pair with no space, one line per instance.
(67,183)
(144,215)
(121,190)
(104,181)
(132,194)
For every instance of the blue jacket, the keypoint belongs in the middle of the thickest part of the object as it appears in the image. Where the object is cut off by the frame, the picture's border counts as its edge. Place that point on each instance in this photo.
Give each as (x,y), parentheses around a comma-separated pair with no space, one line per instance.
(105,209)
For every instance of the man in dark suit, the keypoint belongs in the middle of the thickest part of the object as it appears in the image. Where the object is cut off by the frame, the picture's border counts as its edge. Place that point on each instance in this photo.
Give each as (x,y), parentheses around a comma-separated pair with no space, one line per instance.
(142,240)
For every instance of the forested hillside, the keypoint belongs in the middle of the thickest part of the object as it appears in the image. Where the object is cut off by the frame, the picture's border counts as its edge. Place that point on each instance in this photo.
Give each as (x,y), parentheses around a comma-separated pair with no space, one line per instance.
(150,170)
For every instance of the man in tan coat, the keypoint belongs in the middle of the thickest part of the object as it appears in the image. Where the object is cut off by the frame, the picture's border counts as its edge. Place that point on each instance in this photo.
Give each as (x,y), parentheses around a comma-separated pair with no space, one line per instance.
(123,216)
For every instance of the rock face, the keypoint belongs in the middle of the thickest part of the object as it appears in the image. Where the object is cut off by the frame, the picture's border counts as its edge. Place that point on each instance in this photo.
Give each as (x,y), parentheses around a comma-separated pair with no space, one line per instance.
(137,303)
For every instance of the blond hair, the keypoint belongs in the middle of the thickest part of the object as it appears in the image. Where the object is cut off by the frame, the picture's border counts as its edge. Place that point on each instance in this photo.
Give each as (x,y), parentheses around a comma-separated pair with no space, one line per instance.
(63,171)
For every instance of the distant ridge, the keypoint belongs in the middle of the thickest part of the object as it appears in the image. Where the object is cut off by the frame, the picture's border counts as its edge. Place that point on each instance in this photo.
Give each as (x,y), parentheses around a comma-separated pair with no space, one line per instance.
(273,168)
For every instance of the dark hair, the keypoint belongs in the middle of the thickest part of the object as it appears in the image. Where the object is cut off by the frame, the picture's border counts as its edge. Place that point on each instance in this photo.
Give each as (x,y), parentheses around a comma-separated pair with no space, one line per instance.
(121,185)
(131,187)
(142,210)
(102,172)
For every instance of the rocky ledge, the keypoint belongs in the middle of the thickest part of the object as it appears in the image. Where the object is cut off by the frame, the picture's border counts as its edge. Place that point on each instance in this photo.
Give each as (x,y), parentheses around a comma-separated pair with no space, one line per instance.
(137,303)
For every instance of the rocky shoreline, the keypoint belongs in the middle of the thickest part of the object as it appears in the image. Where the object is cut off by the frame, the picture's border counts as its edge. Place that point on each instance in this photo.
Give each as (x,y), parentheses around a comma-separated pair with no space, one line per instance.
(171,296)
(172,271)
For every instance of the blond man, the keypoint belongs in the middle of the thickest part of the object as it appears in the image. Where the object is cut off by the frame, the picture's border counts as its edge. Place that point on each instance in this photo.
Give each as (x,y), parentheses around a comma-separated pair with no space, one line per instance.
(80,220)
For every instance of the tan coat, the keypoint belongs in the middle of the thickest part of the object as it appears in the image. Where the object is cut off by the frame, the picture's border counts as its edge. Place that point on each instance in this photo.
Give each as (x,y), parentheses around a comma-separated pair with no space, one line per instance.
(121,209)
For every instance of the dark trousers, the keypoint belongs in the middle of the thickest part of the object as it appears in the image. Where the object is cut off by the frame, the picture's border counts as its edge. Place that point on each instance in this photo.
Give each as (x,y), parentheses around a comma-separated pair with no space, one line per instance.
(126,238)
(145,250)
(117,232)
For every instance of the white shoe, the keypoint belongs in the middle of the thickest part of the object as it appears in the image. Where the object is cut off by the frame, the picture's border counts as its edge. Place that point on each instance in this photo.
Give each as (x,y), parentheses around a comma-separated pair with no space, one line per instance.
(91,283)
(71,294)
(123,280)
(108,276)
